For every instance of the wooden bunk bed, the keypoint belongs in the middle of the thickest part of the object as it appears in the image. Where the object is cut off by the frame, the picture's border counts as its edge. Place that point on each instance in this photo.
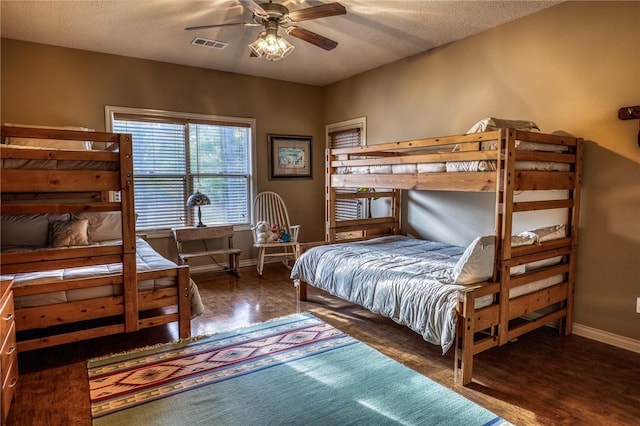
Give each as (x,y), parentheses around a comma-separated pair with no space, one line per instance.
(503,162)
(43,182)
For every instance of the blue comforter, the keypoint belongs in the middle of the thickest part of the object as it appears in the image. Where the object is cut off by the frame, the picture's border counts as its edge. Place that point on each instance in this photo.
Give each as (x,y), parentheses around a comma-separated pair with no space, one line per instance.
(406,279)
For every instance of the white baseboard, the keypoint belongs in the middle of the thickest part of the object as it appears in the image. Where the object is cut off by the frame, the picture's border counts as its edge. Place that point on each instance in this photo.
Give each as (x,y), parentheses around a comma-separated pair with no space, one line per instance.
(606,337)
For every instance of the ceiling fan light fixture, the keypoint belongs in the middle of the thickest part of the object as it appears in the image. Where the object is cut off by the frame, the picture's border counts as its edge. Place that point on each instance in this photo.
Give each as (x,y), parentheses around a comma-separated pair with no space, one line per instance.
(271,46)
(272,16)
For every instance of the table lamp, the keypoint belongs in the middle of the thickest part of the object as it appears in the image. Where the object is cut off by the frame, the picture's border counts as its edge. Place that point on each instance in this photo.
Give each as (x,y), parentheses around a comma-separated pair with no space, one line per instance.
(198,199)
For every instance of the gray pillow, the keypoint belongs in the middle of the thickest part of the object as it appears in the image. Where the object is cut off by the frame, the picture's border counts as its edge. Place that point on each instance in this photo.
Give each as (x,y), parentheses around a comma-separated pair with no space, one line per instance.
(27,230)
(68,233)
(103,226)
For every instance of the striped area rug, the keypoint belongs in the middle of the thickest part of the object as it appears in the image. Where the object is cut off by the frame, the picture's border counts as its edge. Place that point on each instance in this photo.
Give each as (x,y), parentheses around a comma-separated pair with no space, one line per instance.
(292,370)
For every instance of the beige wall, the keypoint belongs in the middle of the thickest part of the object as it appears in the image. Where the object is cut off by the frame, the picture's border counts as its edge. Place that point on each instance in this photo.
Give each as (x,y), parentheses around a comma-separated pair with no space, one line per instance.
(66,87)
(570,68)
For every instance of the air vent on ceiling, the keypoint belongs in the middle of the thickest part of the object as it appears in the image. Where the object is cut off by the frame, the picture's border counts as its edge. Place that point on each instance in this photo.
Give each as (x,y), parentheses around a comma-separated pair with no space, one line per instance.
(212,44)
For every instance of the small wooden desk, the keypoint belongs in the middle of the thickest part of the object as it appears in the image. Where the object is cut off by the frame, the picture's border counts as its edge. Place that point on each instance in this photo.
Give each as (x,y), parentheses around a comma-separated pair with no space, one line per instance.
(208,233)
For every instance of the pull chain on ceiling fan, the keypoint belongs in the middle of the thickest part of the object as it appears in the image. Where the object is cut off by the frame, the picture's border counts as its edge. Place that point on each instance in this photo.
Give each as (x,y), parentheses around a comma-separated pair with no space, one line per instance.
(271,16)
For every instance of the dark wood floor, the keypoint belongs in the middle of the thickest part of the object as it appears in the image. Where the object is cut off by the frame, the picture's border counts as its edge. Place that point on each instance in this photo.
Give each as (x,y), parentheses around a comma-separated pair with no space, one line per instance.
(542,379)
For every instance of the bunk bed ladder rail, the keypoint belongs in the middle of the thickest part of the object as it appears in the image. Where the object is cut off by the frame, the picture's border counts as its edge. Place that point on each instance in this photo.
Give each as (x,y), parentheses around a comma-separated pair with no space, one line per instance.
(561,293)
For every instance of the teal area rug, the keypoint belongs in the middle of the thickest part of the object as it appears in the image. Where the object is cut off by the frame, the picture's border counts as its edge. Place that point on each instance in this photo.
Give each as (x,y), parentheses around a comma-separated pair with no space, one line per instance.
(295,370)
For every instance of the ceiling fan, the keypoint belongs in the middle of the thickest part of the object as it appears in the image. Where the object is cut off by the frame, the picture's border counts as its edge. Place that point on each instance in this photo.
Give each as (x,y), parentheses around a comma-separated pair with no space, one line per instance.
(273,16)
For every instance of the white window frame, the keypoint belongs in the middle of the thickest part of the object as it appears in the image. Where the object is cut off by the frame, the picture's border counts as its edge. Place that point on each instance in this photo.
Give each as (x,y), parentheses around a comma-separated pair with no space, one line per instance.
(111,110)
(355,123)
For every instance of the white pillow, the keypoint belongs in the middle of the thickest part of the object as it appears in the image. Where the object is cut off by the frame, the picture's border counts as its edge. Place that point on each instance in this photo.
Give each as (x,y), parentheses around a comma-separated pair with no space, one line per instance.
(103,226)
(27,230)
(492,123)
(546,233)
(476,263)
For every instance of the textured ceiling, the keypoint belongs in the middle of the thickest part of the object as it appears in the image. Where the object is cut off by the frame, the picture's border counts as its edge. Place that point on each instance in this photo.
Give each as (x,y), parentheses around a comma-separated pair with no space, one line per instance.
(372,33)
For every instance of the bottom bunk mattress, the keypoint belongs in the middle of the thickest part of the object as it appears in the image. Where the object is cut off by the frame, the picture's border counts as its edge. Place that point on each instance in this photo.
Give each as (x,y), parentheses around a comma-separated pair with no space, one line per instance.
(415,282)
(147,259)
(406,279)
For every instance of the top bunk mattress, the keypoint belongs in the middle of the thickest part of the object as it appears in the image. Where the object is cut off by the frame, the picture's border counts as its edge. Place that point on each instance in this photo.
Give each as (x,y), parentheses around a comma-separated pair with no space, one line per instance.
(40,148)
(52,163)
(467,166)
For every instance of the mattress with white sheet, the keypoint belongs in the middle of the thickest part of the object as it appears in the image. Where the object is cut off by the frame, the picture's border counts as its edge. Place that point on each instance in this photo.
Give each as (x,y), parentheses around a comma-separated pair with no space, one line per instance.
(52,164)
(147,259)
(467,166)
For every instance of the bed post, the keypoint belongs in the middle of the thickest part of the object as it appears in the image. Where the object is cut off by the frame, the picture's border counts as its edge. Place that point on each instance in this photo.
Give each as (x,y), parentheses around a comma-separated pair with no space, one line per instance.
(395,211)
(129,269)
(184,302)
(130,292)
(329,200)
(463,359)
(301,290)
(574,217)
(503,236)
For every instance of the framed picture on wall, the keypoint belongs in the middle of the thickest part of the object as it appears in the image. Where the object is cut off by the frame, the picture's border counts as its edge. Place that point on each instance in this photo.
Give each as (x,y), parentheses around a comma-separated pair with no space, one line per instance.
(289,157)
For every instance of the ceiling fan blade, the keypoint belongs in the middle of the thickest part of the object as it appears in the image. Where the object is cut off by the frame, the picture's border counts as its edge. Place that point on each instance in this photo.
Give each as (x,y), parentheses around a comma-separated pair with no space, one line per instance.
(315,12)
(311,37)
(232,24)
(255,8)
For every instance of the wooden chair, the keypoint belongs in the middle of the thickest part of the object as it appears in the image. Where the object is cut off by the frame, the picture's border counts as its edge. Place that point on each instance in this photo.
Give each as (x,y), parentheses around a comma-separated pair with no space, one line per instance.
(203,234)
(269,207)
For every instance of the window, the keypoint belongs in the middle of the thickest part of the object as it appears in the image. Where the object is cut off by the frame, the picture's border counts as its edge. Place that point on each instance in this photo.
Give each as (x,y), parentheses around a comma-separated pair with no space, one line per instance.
(343,135)
(177,154)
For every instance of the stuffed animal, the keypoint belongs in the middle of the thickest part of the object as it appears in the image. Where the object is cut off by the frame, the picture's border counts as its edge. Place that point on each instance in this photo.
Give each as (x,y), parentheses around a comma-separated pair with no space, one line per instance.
(264,233)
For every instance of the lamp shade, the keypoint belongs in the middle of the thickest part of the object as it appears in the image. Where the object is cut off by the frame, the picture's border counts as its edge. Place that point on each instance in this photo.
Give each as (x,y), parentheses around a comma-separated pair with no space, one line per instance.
(198,199)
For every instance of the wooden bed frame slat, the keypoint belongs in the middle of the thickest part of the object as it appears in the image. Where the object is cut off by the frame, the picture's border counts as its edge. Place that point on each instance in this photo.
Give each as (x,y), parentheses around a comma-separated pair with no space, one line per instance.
(443,141)
(43,288)
(58,180)
(49,254)
(154,299)
(526,206)
(532,302)
(536,180)
(16,209)
(68,312)
(61,263)
(11,152)
(524,328)
(467,182)
(70,337)
(158,320)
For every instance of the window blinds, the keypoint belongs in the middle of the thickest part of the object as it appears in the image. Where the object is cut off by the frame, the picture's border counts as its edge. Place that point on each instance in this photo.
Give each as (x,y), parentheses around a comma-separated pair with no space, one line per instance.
(175,157)
(348,208)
